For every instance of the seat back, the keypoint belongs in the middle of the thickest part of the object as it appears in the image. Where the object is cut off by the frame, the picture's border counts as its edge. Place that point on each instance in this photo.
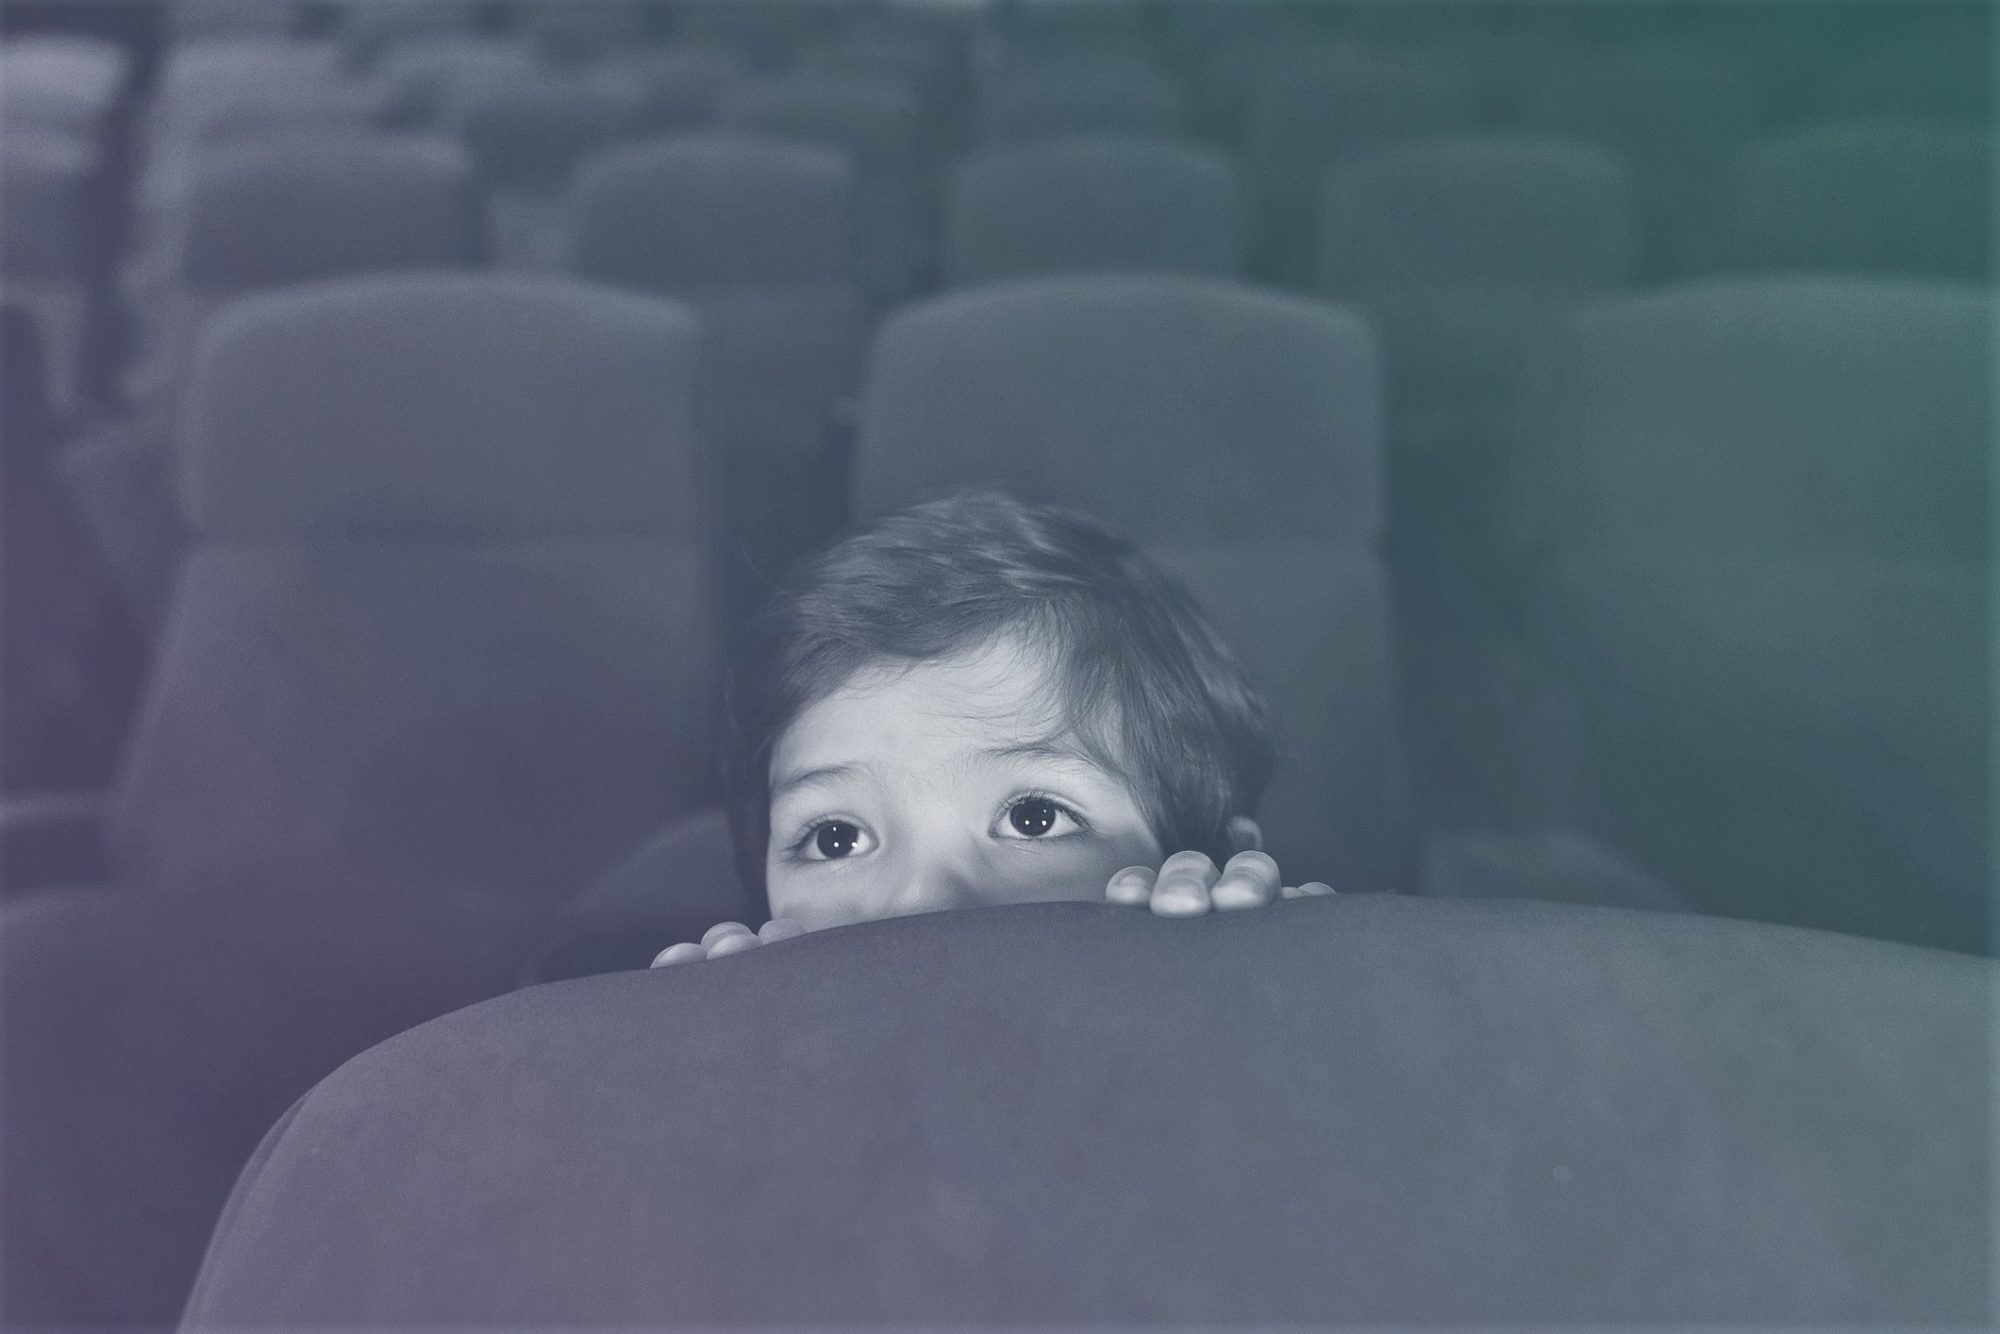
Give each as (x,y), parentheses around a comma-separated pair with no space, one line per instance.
(1890,196)
(1058,97)
(1358,1111)
(707,212)
(430,626)
(261,215)
(1763,515)
(1093,203)
(1525,209)
(1236,435)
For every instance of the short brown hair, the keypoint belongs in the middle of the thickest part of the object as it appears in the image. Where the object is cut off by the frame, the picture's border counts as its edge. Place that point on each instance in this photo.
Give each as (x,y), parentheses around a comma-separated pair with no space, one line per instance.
(1129,643)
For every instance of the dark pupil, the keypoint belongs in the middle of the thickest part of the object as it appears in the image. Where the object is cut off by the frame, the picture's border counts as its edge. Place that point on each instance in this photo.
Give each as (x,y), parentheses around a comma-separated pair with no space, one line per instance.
(1033,817)
(836,839)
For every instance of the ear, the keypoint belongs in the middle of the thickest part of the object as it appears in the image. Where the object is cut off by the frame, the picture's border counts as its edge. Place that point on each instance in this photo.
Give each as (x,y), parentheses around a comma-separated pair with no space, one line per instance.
(1244,835)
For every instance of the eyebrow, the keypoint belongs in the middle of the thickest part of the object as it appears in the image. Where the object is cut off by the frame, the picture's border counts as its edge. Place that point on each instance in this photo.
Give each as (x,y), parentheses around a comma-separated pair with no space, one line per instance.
(1043,748)
(808,777)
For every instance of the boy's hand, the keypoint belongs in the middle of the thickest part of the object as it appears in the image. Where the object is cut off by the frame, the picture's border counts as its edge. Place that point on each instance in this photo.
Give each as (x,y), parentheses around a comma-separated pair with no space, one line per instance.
(729,938)
(1188,884)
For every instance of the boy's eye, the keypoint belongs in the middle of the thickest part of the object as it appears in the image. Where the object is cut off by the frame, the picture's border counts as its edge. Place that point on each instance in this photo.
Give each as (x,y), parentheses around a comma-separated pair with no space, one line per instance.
(1038,817)
(837,839)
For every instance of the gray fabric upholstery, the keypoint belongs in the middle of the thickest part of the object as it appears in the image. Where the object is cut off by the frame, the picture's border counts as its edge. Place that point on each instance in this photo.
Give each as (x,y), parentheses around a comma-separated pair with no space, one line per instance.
(1781,414)
(1082,96)
(151,1040)
(475,392)
(60,83)
(343,203)
(1766,580)
(1883,196)
(429,627)
(1234,433)
(673,87)
(47,173)
(876,121)
(715,210)
(1498,208)
(872,116)
(1377,1111)
(527,135)
(1093,203)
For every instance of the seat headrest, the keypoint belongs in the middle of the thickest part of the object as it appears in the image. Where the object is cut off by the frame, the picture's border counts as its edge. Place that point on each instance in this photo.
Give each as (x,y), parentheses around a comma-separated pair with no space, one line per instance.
(1264,409)
(715,209)
(302,207)
(1353,1110)
(1774,415)
(439,405)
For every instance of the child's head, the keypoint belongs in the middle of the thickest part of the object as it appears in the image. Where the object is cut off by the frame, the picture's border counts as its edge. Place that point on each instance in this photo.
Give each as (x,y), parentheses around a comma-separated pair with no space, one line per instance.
(982,701)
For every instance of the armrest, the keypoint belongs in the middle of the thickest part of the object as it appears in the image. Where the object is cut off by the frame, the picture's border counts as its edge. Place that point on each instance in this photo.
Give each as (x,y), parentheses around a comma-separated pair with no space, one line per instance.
(50,839)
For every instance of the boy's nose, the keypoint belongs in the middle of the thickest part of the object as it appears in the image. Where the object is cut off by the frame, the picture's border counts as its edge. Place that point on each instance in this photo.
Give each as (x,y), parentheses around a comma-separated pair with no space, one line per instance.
(937,886)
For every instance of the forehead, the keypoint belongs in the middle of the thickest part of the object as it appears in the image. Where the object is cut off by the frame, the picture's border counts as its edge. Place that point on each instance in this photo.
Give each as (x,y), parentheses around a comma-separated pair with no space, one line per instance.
(1000,694)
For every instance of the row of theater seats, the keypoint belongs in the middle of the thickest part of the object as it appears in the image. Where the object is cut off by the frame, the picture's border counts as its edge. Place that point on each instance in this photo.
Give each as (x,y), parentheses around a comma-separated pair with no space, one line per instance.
(443,564)
(456,646)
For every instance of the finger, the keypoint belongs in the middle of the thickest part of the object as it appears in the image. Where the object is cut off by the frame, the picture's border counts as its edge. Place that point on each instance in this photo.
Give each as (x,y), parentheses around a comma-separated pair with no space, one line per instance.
(687,952)
(721,929)
(1183,884)
(735,942)
(1131,887)
(780,928)
(1313,889)
(1248,880)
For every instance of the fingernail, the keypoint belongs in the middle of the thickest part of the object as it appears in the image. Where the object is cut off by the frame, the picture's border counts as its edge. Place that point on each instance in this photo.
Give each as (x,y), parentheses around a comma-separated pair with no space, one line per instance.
(1236,892)
(721,929)
(1180,903)
(734,943)
(1128,886)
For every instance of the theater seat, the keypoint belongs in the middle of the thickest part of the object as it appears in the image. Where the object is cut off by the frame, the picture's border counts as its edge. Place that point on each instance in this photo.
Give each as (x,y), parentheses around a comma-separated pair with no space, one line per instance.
(1368,1111)
(1235,434)
(1093,203)
(152,1039)
(1887,196)
(1763,551)
(446,615)
(758,233)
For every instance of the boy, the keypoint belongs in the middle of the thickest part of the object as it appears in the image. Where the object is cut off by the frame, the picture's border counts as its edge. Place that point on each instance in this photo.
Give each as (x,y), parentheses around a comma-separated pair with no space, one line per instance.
(979,701)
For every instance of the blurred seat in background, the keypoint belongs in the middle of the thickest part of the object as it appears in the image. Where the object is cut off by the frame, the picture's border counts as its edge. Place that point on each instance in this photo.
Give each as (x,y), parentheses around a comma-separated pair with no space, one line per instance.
(1464,250)
(61,83)
(1945,72)
(1676,111)
(1235,434)
(1888,196)
(524,140)
(875,120)
(758,234)
(259,215)
(43,213)
(73,659)
(1311,106)
(669,88)
(1081,94)
(445,613)
(1093,203)
(1760,512)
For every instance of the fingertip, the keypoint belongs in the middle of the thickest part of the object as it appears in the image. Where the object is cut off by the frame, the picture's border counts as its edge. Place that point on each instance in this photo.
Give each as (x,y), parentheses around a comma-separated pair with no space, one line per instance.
(780,928)
(716,933)
(733,943)
(1130,887)
(1313,889)
(686,952)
